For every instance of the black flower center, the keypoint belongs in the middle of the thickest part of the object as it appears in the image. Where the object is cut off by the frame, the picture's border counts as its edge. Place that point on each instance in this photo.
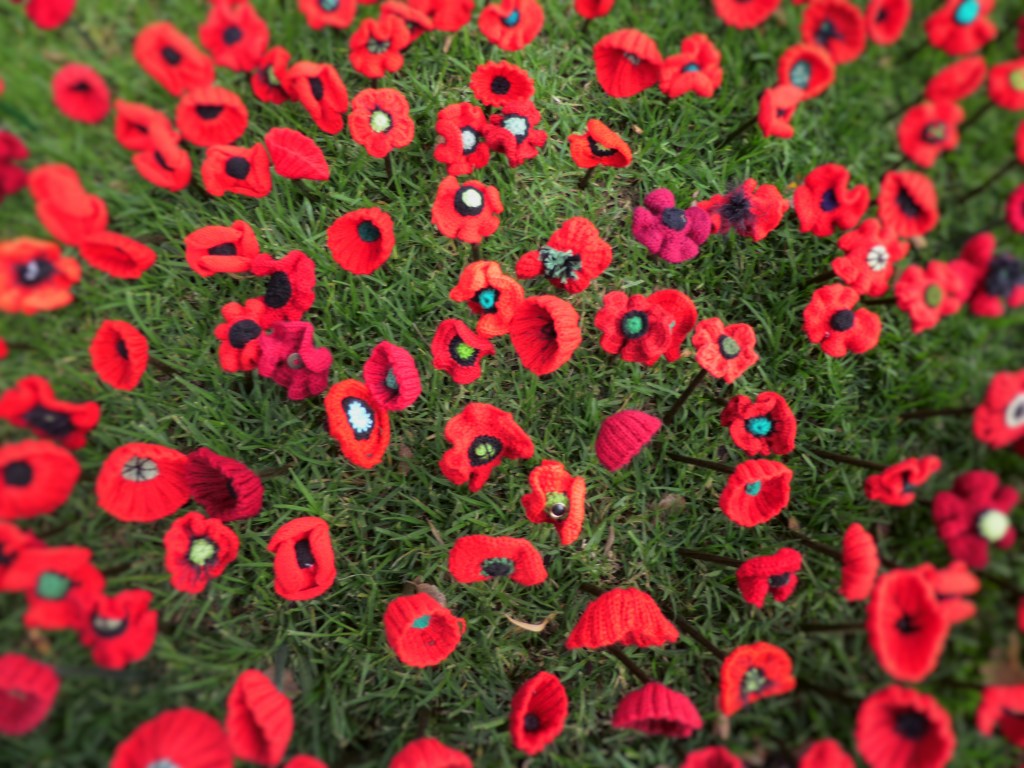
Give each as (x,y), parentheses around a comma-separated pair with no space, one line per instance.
(242,332)
(359,415)
(559,265)
(161,162)
(122,349)
(34,271)
(779,580)
(368,232)
(599,150)
(279,290)
(108,626)
(911,724)
(498,566)
(237,168)
(674,218)
(500,85)
(484,450)
(53,423)
(304,554)
(469,201)
(81,87)
(316,86)
(232,35)
(1004,274)
(842,320)
(209,111)
(170,55)
(906,625)
(373,45)
(18,473)
(828,201)
(826,33)
(907,205)
(634,324)
(531,723)
(736,210)
(224,249)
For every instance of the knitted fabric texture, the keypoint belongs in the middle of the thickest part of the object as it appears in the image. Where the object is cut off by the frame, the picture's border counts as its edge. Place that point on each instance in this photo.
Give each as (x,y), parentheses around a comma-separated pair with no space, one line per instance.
(28,689)
(622,436)
(226,488)
(696,68)
(975,514)
(466,211)
(897,485)
(627,62)
(481,436)
(361,241)
(259,719)
(482,558)
(539,710)
(622,617)
(197,549)
(31,404)
(424,752)
(120,629)
(825,201)
(215,249)
(831,321)
(380,121)
(907,203)
(907,630)
(304,565)
(296,156)
(573,256)
(142,482)
(643,328)
(211,115)
(878,736)
(545,332)
(459,351)
(600,145)
(391,377)
(756,491)
(115,254)
(243,171)
(724,351)
(421,631)
(490,294)
(119,353)
(760,427)
(769,574)
(361,427)
(860,563)
(36,478)
(668,232)
(287,356)
(751,673)
(181,736)
(657,710)
(558,498)
(64,208)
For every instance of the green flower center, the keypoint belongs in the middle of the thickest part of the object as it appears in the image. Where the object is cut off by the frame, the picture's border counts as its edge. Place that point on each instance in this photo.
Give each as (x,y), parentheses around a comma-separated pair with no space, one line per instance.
(380,121)
(729,346)
(556,505)
(52,586)
(464,351)
(391,381)
(1017,79)
(933,295)
(201,551)
(753,681)
(559,265)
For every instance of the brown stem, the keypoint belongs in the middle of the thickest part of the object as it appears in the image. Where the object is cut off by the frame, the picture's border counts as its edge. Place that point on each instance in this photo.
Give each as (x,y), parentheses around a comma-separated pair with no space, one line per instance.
(736,132)
(852,627)
(389,168)
(475,250)
(846,459)
(694,383)
(1008,166)
(718,466)
(822,277)
(695,554)
(590,589)
(585,179)
(925,413)
(699,637)
(976,116)
(629,663)
(586,26)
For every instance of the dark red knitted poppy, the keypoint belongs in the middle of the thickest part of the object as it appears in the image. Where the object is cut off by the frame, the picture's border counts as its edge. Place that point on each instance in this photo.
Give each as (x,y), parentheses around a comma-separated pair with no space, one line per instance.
(361,241)
(119,353)
(117,255)
(259,719)
(809,67)
(657,710)
(178,736)
(197,549)
(318,87)
(627,616)
(497,82)
(240,334)
(118,629)
(622,436)
(466,212)
(545,332)
(929,293)
(49,14)
(35,277)
(31,404)
(511,24)
(289,356)
(898,484)
(999,418)
(1006,84)
(928,130)
(165,163)
(860,563)
(627,62)
(215,249)
(825,201)
(711,757)
(482,558)
(993,280)
(556,497)
(961,26)
(481,436)
(593,9)
(295,155)
(907,203)
(303,558)
(36,478)
(380,121)
(906,627)
(28,689)
(599,145)
(752,210)
(901,721)
(1002,706)
(760,427)
(775,574)
(957,81)
(269,79)
(513,132)
(756,491)
(836,25)
(226,488)
(539,710)
(724,351)
(447,15)
(211,115)
(776,108)
(13,541)
(417,21)
(490,294)
(974,515)
(754,672)
(1015,210)
(290,287)
(55,582)
(458,351)
(68,212)
(361,427)
(886,20)
(391,377)
(375,48)
(831,321)
(235,35)
(669,232)
(80,93)
(871,250)
(743,14)
(241,170)
(422,633)
(462,147)
(574,255)
(336,14)
(142,482)
(133,122)
(171,58)
(697,68)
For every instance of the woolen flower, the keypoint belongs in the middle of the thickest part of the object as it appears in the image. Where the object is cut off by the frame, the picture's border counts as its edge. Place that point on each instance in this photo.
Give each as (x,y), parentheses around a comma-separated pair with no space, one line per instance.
(361,241)
(427,751)
(929,293)
(1006,84)
(269,79)
(993,280)
(119,353)
(421,631)
(898,484)
(216,249)
(539,707)
(999,417)
(335,14)
(599,145)
(482,558)
(466,211)
(416,20)
(80,93)
(13,541)
(899,726)
(490,294)
(288,356)
(36,478)
(258,719)
(304,565)
(1002,707)
(760,427)
(27,693)
(226,488)
(30,403)
(958,80)
(296,156)
(556,497)
(142,482)
(907,203)
(179,736)
(697,68)
(657,710)
(961,26)
(743,14)
(860,563)
(870,253)
(318,87)
(887,20)
(117,255)
(290,287)
(197,549)
(118,629)
(627,62)
(35,276)
(930,129)
(49,14)
(627,617)
(776,108)
(462,148)
(481,436)
(165,164)
(836,25)
(756,491)
(574,255)
(809,67)
(361,426)
(750,209)
(671,233)
(380,121)
(240,334)
(134,123)
(751,673)
(622,436)
(376,46)
(825,200)
(55,582)
(724,351)
(711,757)
(235,35)
(458,351)
(511,24)
(953,586)
(907,630)
(1015,210)
(513,132)
(495,83)
(64,208)
(241,170)
(211,115)
(831,321)
(975,514)
(391,376)
(545,332)
(769,574)
(171,58)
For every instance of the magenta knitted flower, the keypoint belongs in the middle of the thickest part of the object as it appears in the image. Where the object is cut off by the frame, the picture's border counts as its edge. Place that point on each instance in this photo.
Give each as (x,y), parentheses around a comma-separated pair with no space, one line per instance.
(287,356)
(669,232)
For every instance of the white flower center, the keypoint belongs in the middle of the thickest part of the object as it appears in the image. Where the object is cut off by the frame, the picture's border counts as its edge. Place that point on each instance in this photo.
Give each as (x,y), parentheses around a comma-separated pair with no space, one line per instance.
(360,418)
(469,140)
(163,762)
(993,525)
(1014,413)
(877,258)
(380,121)
(472,198)
(139,469)
(517,126)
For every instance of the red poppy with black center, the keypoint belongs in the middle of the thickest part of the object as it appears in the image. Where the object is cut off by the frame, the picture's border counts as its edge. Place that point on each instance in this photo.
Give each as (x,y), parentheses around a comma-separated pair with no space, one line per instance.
(744,14)
(118,629)
(999,418)
(31,404)
(974,515)
(417,21)
(242,170)
(697,68)
(303,558)
(119,353)
(752,210)
(624,616)
(825,201)
(599,145)
(490,294)
(1006,84)
(953,585)
(993,279)
(807,66)
(55,582)
(80,93)
(211,115)
(776,108)
(545,332)
(513,132)
(458,351)
(907,203)
(860,563)
(375,48)
(171,58)
(361,426)
(929,130)
(422,633)
(760,427)
(898,484)
(13,541)
(906,627)
(183,737)
(380,121)
(657,710)
(68,212)
(466,211)
(235,35)
(49,14)
(556,497)
(318,87)
(336,14)
(215,250)
(897,721)
(462,147)
(361,241)
(497,83)
(724,351)
(836,25)
(290,286)
(511,24)
(197,549)
(627,62)
(957,81)
(929,293)
(165,163)
(540,707)
(482,558)
(289,356)
(871,250)
(133,122)
(831,321)
(35,277)
(269,79)
(36,478)
(259,719)
(1002,707)
(574,255)
(756,491)
(960,27)
(593,9)
(447,15)
(775,574)
(886,20)
(391,376)
(117,255)
(240,333)
(751,673)
(481,436)
(226,488)
(28,689)
(142,482)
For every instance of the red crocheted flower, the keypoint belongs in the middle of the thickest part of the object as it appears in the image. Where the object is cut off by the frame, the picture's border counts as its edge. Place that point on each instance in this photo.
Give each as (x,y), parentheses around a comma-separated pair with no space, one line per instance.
(482,558)
(239,335)
(336,14)
(318,88)
(35,277)
(657,710)
(744,14)
(391,377)
(259,719)
(171,58)
(376,46)
(622,436)
(697,67)
(269,79)
(760,427)
(417,21)
(462,147)
(1006,84)
(599,145)
(118,629)
(593,9)
(545,332)
(178,736)
(165,163)
(447,15)
(466,212)
(1015,210)
(481,436)
(498,82)
(627,62)
(380,121)
(756,491)
(511,24)
(303,558)
(957,81)
(49,14)
(117,255)
(119,353)
(55,582)
(490,294)
(907,203)
(999,417)
(80,93)
(751,673)
(622,617)
(836,25)
(902,721)
(724,351)
(458,351)
(776,108)
(825,200)
(361,427)
(13,176)
(825,753)
(426,751)
(750,209)
(235,35)
(667,231)
(13,541)
(142,482)
(974,515)
(994,281)
(906,627)
(539,709)
(215,249)
(558,498)
(776,574)
(810,68)
(226,488)
(68,212)
(197,549)
(241,170)
(928,130)
(1002,706)
(513,132)
(898,484)
(711,757)
(961,26)
(831,321)
(288,356)
(295,155)
(643,328)
(28,689)
(290,287)
(860,564)
(574,255)
(134,123)
(361,241)
(211,115)
(421,632)
(953,586)
(887,19)
(36,478)
(870,253)
(31,404)
(929,293)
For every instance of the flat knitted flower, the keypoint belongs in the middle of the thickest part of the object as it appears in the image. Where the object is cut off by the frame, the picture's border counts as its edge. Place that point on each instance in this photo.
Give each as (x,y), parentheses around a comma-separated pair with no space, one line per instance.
(481,436)
(860,564)
(304,565)
(836,25)
(513,132)
(361,427)
(117,255)
(240,334)
(809,67)
(318,87)
(887,20)
(907,203)
(28,689)
(751,673)
(750,209)
(482,558)
(929,293)
(743,14)
(906,628)
(423,752)
(928,130)
(287,356)
(182,737)
(545,332)
(775,574)
(241,170)
(211,115)
(901,721)
(760,427)
(599,145)
(417,21)
(627,62)
(462,148)
(64,208)
(497,83)
(724,351)
(49,14)
(593,9)
(999,417)
(134,123)
(335,14)
(197,549)
(1006,84)
(36,478)
(259,719)
(380,121)
(671,233)
(31,404)
(622,617)
(80,93)
(697,68)
(953,586)
(1002,706)
(165,164)
(269,79)
(995,280)
(290,286)
(657,710)
(756,491)
(960,27)
(622,436)
(361,241)
(54,582)
(421,631)
(958,80)
(711,757)
(824,200)
(118,629)
(13,541)
(539,707)
(171,58)
(831,321)
(35,276)
(235,35)
(375,48)
(558,498)
(215,249)
(226,488)
(490,294)
(898,484)
(776,108)
(391,377)
(466,211)
(574,255)
(975,514)
(119,353)
(870,253)
(142,482)
(458,351)
(511,24)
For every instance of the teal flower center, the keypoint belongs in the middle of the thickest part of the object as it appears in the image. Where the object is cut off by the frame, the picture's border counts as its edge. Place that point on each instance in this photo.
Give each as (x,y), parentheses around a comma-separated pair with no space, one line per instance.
(52,586)
(559,265)
(800,74)
(512,19)
(691,67)
(422,622)
(759,426)
(390,380)
(752,489)
(487,299)
(967,12)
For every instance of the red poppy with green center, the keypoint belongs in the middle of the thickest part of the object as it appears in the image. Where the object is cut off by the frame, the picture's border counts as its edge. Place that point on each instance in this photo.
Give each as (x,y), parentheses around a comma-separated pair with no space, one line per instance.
(197,549)
(627,62)
(760,427)
(637,328)
(960,27)
(361,427)
(825,201)
(270,77)
(235,35)
(336,14)
(754,672)
(375,48)
(421,631)
(497,83)
(907,630)
(216,249)
(831,321)
(929,293)
(118,629)
(574,255)
(318,87)
(490,294)
(557,498)
(769,574)
(361,241)
(482,558)
(481,436)
(55,582)
(36,478)
(870,253)
(240,170)
(807,66)
(974,515)
(466,211)
(756,491)
(171,58)
(290,285)
(1006,84)
(898,484)
(697,67)
(31,404)
(380,121)
(836,25)
(930,129)
(35,277)
(724,351)
(462,147)
(907,203)
(458,351)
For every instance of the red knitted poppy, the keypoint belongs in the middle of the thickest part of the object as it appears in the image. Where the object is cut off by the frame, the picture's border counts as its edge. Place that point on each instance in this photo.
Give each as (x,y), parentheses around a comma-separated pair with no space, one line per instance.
(545,332)
(259,719)
(36,478)
(12,154)
(424,752)
(35,277)
(697,68)
(831,321)
(838,26)
(461,130)
(871,250)
(361,427)
(305,761)
(458,351)
(391,377)
(824,201)
(215,250)
(1014,210)
(269,79)
(556,497)
(887,20)
(318,87)
(958,28)
(711,757)
(1006,84)
(622,436)
(64,208)
(897,485)
(902,721)
(906,627)
(958,80)
(165,164)
(776,109)
(466,212)
(380,121)
(511,24)
(756,491)
(539,710)
(242,170)
(481,436)
(810,68)
(760,427)
(928,130)
(80,93)
(303,558)
(142,482)
(28,689)
(1002,707)
(211,115)
(825,753)
(657,710)
(994,280)
(31,404)
(743,14)
(417,21)
(119,353)
(482,558)
(752,210)
(496,83)
(118,629)
(724,351)
(974,515)
(907,203)
(999,417)
(171,58)
(421,631)
(593,9)
(953,586)
(574,255)
(860,564)
(928,293)
(622,617)
(320,14)
(235,35)
(636,328)
(490,294)
(134,123)
(290,287)
(226,488)
(180,736)
(55,581)
(49,14)
(775,574)
(627,62)
(13,541)
(296,156)
(240,334)
(117,255)
(751,673)
(361,241)
(599,145)
(375,48)
(197,549)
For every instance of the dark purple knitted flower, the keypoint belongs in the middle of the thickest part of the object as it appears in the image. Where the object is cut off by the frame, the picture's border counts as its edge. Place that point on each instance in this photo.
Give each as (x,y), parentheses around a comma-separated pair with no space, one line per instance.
(287,356)
(672,233)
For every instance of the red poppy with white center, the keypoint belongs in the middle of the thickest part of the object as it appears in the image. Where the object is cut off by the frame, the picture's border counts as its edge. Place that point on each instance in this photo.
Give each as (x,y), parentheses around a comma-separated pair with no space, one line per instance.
(462,147)
(974,515)
(513,132)
(960,27)
(907,203)
(760,427)
(999,418)
(929,293)
(359,424)
(466,211)
(35,276)
(897,485)
(118,629)
(380,121)
(871,251)
(178,737)
(697,67)
(724,351)
(627,62)
(511,24)
(831,321)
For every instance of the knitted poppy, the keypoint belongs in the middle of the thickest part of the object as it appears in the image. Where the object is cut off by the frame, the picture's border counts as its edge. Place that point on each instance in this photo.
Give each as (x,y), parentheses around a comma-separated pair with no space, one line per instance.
(118,629)
(953,586)
(511,24)
(80,93)
(211,115)
(235,35)
(995,281)
(13,176)
(751,673)
(361,241)
(1002,706)
(165,163)
(860,563)
(241,170)
(226,488)
(760,427)
(870,252)
(593,9)
(35,277)
(68,212)
(776,108)
(259,719)
(482,558)
(133,123)
(776,574)
(886,20)
(897,485)
(117,255)
(296,156)
(622,436)
(1006,84)
(13,541)
(928,130)
(750,209)
(303,558)
(957,81)
(182,736)
(999,418)
(756,491)
(318,88)
(31,404)
(513,132)
(743,14)
(458,351)
(287,356)
(142,482)
(197,549)
(545,332)
(657,710)
(361,427)
(900,726)
(671,233)
(836,25)
(490,294)
(380,121)
(391,377)
(481,436)
(642,328)
(574,255)
(697,68)
(711,757)
(36,478)
(171,58)
(423,752)
(55,582)
(421,632)
(417,21)
(556,497)
(290,287)
(269,79)
(724,351)
(466,212)
(49,14)
(627,62)
(906,627)
(825,753)
(336,14)
(907,203)
(975,514)
(539,709)
(960,27)
(375,48)
(240,334)
(599,145)
(215,249)
(831,321)
(496,83)
(810,68)
(825,201)
(626,616)
(462,147)
(1015,210)
(27,693)
(929,293)
(119,353)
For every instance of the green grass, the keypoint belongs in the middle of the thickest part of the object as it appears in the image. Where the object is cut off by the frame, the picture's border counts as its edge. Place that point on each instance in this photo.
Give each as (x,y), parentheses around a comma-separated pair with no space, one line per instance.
(355,703)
